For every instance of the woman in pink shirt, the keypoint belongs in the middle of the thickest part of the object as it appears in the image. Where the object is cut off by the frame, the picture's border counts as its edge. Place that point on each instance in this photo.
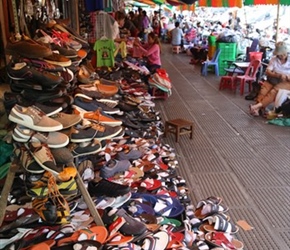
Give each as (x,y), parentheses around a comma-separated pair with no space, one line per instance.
(151,50)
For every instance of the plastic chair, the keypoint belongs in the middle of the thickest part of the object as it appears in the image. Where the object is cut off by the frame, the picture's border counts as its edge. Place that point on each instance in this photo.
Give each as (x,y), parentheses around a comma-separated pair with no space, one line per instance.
(213,62)
(249,76)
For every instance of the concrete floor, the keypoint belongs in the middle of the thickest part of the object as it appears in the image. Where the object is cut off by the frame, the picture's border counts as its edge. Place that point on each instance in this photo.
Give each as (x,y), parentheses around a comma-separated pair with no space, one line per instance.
(233,155)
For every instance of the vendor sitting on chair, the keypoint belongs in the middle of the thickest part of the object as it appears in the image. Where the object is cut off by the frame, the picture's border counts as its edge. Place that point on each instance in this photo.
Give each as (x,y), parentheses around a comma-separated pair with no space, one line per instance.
(278,77)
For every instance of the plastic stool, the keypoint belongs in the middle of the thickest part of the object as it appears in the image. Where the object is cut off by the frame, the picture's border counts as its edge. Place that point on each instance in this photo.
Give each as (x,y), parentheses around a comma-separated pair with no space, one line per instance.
(227,82)
(176,49)
(178,127)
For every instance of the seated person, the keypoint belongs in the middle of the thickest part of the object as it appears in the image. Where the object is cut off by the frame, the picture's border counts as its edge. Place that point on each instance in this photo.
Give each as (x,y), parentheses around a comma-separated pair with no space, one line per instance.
(199,51)
(177,36)
(278,77)
(151,50)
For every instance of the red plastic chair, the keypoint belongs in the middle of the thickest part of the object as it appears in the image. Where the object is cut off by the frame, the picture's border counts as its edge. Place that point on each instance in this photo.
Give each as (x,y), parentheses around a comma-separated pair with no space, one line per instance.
(249,76)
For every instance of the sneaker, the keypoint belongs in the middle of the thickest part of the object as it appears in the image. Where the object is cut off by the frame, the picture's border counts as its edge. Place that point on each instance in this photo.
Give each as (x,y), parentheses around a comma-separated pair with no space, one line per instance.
(97,116)
(52,139)
(107,188)
(88,104)
(42,96)
(57,59)
(64,28)
(21,71)
(27,161)
(62,156)
(67,120)
(43,156)
(43,65)
(33,118)
(97,131)
(109,102)
(27,48)
(86,148)
(105,90)
(65,40)
(86,75)
(64,50)
(66,188)
(33,180)
(113,167)
(133,154)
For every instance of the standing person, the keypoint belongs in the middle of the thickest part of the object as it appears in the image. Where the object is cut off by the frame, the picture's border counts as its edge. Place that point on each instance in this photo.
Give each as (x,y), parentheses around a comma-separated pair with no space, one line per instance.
(151,50)
(278,77)
(145,25)
(177,36)
(156,23)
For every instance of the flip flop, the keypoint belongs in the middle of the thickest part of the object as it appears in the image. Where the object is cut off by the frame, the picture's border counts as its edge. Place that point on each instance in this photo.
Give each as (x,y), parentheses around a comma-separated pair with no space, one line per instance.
(120,200)
(23,221)
(137,208)
(16,214)
(161,240)
(98,233)
(206,208)
(46,245)
(220,223)
(219,239)
(118,238)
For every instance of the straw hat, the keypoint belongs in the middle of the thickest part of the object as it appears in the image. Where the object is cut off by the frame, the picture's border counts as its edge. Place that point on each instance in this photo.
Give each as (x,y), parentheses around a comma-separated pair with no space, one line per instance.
(281,49)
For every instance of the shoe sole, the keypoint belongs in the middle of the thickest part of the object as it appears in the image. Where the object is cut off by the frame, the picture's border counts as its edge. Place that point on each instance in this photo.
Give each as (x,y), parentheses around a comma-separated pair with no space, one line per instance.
(63,64)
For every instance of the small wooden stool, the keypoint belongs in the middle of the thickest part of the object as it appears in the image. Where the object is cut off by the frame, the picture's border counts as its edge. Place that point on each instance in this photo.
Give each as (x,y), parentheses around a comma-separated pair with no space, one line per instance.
(176,49)
(178,127)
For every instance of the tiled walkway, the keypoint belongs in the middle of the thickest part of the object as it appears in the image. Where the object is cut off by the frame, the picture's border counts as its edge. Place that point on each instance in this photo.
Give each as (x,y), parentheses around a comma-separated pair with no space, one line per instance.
(242,159)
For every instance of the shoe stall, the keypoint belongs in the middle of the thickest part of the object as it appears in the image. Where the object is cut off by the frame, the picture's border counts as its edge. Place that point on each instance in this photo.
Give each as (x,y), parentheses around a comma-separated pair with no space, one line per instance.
(83,161)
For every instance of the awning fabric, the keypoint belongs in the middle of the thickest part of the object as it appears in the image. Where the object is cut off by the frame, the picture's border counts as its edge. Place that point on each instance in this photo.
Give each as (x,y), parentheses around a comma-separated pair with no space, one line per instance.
(257,2)
(223,3)
(187,7)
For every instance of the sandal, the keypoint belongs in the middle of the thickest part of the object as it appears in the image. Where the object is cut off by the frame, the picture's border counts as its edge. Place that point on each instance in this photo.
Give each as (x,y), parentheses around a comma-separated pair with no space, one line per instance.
(220,239)
(206,208)
(220,223)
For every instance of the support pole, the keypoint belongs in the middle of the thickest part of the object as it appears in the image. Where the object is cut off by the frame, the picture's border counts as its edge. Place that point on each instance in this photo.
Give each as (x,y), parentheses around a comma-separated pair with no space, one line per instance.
(277,26)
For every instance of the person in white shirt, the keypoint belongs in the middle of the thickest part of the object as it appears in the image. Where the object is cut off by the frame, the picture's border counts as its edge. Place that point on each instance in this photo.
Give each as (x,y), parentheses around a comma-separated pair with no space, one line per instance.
(278,77)
(177,36)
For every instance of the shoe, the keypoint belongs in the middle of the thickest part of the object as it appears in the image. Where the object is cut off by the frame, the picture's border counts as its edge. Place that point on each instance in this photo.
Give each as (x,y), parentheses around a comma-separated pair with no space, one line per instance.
(57,59)
(51,210)
(67,120)
(105,90)
(62,156)
(86,75)
(52,139)
(10,99)
(65,40)
(92,94)
(42,96)
(87,148)
(68,188)
(27,161)
(97,116)
(64,102)
(112,167)
(107,188)
(27,48)
(64,28)
(21,71)
(64,50)
(88,104)
(133,154)
(33,118)
(43,156)
(42,65)
(94,131)
(109,102)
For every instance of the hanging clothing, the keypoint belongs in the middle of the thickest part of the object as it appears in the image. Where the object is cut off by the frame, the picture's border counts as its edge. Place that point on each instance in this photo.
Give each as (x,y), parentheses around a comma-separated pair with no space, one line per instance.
(104,26)
(105,52)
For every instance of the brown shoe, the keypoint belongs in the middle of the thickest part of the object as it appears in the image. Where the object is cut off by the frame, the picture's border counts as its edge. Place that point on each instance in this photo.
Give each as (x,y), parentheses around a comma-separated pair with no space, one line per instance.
(58,59)
(27,48)
(105,90)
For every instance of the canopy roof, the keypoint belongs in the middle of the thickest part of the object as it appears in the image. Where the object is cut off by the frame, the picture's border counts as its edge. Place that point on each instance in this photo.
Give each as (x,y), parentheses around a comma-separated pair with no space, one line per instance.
(256,2)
